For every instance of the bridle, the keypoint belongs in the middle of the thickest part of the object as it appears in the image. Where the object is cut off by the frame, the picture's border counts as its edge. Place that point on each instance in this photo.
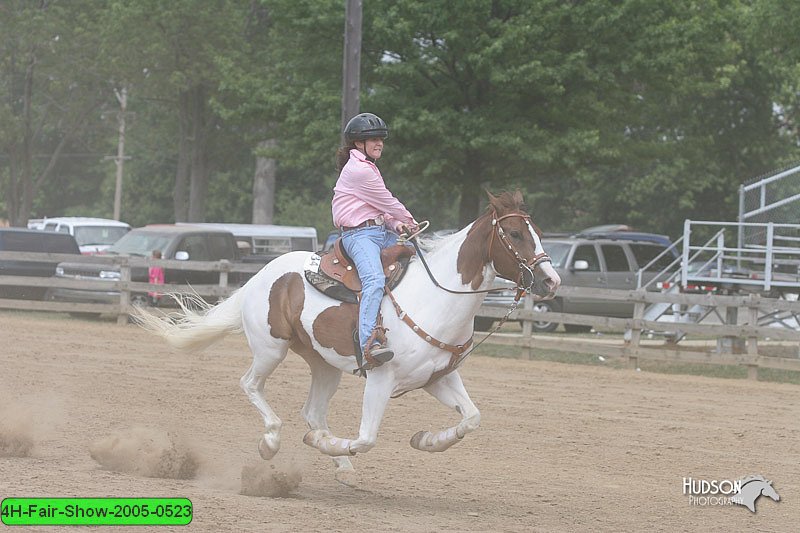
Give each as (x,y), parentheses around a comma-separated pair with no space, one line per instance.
(523,264)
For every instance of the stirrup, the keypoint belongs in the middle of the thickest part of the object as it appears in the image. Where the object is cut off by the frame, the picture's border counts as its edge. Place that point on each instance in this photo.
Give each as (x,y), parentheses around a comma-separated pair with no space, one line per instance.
(379,354)
(375,357)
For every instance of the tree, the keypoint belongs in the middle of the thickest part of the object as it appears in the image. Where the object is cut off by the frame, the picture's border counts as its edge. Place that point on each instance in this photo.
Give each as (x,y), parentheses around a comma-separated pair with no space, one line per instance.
(598,108)
(176,45)
(51,95)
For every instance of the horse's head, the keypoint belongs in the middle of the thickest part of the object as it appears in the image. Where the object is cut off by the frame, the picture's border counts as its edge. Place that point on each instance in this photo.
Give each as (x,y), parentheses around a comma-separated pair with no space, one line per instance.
(505,238)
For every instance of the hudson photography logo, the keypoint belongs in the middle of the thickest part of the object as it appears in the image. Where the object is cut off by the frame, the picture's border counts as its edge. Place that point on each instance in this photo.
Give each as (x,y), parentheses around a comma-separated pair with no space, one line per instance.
(744,491)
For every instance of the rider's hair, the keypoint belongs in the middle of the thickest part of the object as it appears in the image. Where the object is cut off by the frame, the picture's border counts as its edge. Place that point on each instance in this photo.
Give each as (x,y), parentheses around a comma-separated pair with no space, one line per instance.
(343,155)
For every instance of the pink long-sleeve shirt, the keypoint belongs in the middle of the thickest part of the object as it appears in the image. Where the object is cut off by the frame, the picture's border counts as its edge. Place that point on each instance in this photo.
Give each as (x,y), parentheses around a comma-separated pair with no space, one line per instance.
(360,194)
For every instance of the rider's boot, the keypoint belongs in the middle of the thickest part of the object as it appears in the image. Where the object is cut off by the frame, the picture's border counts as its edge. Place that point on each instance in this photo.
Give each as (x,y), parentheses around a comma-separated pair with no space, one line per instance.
(378,354)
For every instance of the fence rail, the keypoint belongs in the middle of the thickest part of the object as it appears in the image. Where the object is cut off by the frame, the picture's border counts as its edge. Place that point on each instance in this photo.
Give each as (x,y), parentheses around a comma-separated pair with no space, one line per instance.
(633,349)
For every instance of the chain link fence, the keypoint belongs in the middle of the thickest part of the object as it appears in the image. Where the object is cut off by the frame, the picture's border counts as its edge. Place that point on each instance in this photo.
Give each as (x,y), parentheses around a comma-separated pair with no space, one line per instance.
(772,198)
(775,198)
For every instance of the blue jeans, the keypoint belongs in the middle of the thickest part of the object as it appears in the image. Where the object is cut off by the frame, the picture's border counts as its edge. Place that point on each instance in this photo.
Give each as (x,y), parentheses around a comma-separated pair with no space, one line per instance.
(364,246)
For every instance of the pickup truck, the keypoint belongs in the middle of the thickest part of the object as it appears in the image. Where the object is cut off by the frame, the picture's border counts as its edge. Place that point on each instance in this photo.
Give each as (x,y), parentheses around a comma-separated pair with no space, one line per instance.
(32,241)
(184,242)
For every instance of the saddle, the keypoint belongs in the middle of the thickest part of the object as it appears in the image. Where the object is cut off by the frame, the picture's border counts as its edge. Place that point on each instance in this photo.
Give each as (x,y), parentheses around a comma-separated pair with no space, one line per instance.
(334,274)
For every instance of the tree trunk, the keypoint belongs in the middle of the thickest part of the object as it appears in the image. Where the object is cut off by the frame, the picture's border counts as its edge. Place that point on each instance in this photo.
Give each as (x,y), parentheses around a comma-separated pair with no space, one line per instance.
(198,179)
(179,196)
(264,185)
(25,183)
(469,204)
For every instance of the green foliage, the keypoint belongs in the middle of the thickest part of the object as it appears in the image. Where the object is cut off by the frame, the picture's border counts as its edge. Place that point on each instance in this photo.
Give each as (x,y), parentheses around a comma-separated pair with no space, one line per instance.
(631,111)
(304,210)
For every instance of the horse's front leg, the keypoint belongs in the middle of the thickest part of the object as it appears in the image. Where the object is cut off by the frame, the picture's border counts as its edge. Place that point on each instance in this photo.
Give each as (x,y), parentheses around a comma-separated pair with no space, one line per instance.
(380,384)
(451,392)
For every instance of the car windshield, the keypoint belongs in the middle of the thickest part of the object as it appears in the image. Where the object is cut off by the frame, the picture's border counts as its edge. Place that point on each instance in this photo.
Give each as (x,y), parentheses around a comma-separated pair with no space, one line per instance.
(86,235)
(557,251)
(140,243)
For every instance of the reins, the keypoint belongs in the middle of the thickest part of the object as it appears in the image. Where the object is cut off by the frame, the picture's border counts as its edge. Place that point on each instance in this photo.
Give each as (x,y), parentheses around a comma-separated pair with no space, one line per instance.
(521,263)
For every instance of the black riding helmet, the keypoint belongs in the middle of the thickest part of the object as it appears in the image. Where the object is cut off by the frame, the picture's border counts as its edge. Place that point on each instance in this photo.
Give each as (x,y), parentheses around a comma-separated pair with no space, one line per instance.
(365,126)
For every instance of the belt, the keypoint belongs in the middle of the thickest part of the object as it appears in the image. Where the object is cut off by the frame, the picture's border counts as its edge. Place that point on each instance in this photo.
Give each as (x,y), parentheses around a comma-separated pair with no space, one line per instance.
(366,223)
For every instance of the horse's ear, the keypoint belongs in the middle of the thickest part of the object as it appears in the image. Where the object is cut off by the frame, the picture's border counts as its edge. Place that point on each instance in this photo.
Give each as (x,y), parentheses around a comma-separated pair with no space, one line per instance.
(518,199)
(496,204)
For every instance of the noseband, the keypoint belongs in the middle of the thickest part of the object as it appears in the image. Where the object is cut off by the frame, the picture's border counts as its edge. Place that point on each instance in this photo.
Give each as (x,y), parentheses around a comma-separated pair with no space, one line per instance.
(523,265)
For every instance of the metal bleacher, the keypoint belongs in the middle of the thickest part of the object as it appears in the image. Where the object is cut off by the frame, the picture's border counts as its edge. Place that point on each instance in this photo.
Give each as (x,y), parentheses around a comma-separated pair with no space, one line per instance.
(759,253)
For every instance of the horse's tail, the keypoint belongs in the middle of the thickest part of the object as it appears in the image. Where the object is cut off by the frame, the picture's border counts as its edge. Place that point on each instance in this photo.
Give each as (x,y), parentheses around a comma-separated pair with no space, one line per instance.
(200,325)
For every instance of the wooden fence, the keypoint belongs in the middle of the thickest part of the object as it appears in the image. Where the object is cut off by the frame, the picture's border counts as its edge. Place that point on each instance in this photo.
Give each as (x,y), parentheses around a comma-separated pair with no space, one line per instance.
(124,286)
(632,349)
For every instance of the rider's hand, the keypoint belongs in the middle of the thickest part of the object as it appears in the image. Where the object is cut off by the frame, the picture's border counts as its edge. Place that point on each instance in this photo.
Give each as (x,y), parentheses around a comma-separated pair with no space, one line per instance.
(408,229)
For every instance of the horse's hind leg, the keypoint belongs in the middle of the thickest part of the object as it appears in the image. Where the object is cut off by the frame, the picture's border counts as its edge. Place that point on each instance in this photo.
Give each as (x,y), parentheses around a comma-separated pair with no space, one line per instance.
(268,353)
(451,392)
(324,383)
(376,395)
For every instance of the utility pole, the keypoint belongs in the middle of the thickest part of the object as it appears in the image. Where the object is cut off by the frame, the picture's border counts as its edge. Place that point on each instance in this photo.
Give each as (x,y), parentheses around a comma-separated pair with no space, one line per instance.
(351,69)
(122,98)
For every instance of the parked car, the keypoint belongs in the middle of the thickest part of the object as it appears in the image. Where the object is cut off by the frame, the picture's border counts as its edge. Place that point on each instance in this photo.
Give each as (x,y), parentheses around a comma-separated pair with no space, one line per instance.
(26,240)
(261,243)
(603,261)
(183,243)
(93,234)
(330,239)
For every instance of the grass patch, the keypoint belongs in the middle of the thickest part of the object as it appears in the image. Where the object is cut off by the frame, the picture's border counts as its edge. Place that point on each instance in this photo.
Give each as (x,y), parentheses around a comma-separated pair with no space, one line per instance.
(779,376)
(658,367)
(537,354)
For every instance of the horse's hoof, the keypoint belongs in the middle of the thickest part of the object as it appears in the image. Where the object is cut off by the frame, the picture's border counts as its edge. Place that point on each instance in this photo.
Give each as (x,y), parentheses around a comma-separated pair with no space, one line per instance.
(312,437)
(347,477)
(416,439)
(267,451)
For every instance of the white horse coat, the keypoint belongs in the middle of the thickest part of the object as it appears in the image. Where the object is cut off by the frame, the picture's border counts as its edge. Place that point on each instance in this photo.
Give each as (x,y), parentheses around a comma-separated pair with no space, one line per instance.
(279,310)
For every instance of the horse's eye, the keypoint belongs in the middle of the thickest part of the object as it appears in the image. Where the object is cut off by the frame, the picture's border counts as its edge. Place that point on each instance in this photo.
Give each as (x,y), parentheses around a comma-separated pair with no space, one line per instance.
(515,234)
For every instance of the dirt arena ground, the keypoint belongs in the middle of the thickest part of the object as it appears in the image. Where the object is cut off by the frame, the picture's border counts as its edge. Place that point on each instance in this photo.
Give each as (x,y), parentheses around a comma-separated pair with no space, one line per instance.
(561,447)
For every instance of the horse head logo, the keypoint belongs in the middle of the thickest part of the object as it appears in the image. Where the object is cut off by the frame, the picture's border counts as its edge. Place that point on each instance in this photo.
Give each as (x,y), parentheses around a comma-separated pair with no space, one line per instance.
(752,488)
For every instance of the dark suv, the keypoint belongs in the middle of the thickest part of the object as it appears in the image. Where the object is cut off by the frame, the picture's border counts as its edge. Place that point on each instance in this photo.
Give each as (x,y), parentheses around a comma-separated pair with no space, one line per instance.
(175,242)
(602,261)
(25,240)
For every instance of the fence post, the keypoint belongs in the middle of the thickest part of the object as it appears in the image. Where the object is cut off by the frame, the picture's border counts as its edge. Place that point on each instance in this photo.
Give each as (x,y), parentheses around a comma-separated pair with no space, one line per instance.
(752,341)
(636,329)
(224,268)
(125,291)
(527,328)
(730,343)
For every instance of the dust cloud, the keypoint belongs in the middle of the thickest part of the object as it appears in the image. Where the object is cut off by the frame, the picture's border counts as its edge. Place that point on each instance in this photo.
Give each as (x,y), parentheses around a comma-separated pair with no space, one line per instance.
(16,434)
(23,424)
(267,479)
(146,452)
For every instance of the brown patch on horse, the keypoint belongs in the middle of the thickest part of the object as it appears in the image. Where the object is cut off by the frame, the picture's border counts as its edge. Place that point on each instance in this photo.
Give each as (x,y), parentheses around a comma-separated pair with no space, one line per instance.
(286,299)
(333,328)
(474,252)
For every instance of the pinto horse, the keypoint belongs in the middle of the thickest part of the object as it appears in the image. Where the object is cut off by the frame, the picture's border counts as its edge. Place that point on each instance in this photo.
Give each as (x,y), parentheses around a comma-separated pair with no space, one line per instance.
(279,310)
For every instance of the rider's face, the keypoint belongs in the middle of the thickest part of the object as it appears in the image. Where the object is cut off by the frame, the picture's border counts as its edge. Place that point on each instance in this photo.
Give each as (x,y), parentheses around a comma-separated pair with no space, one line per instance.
(373,148)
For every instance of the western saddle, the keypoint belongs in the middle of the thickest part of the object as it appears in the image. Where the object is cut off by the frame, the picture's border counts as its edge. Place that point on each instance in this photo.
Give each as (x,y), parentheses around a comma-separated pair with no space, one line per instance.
(338,278)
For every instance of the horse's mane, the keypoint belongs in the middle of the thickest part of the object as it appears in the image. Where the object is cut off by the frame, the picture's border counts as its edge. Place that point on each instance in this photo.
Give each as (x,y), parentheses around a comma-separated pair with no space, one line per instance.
(507,202)
(432,243)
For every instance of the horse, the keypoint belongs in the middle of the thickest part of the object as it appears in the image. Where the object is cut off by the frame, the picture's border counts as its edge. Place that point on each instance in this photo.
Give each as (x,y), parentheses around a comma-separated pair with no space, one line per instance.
(428,316)
(752,488)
